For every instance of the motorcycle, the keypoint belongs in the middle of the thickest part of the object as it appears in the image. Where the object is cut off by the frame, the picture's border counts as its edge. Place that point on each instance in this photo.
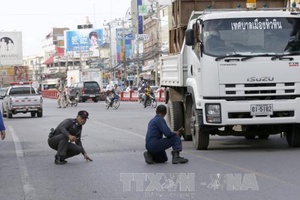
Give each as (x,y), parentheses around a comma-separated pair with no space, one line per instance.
(72,101)
(151,101)
(115,104)
(141,97)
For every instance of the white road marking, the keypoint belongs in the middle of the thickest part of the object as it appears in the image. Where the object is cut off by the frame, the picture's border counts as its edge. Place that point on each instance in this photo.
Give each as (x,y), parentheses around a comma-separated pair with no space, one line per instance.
(29,190)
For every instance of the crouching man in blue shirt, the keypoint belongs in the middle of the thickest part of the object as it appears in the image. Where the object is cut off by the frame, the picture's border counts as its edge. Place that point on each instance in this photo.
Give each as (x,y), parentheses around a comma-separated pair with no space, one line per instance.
(156,144)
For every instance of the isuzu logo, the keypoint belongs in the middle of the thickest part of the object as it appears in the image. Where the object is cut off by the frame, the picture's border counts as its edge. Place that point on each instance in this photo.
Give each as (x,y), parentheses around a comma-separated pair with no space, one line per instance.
(260,79)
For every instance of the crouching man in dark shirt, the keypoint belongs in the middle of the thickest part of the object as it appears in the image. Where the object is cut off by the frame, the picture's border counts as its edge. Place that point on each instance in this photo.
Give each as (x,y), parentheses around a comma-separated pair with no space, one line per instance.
(156,144)
(66,138)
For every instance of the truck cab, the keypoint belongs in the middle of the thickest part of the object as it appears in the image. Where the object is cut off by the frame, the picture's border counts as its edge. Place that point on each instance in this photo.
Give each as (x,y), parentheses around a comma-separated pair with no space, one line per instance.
(237,74)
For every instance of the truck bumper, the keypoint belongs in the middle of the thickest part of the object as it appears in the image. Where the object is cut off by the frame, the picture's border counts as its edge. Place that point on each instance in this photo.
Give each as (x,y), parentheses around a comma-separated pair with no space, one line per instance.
(239,112)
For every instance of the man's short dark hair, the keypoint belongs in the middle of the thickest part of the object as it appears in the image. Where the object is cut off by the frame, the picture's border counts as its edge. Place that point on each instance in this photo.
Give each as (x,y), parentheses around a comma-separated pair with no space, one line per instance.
(161,109)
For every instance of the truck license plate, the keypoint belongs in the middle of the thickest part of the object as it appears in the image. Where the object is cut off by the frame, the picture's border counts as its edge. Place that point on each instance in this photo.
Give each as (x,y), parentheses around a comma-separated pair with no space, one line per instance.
(261,109)
(92,95)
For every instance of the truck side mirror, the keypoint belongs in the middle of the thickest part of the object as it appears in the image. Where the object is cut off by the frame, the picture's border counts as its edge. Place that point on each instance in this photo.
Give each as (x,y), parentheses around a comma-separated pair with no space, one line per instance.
(189,37)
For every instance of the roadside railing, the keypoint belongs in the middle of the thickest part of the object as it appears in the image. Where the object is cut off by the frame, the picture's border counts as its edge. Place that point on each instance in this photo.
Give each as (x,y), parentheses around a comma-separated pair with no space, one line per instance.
(124,96)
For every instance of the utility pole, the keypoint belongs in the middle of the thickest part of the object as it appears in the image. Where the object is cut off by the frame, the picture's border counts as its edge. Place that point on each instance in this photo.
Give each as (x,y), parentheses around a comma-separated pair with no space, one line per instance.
(158,45)
(138,61)
(124,51)
(111,53)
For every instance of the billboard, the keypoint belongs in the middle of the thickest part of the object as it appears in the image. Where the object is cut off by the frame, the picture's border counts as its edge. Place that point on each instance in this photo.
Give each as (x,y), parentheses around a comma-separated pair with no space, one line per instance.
(124,36)
(83,42)
(10,74)
(11,48)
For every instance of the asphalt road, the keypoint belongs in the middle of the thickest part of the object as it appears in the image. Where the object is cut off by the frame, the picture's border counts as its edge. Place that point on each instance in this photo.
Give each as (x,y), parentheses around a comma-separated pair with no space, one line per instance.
(232,168)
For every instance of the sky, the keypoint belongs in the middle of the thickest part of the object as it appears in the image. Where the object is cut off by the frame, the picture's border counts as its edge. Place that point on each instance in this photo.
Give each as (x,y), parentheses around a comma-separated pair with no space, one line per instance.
(35,19)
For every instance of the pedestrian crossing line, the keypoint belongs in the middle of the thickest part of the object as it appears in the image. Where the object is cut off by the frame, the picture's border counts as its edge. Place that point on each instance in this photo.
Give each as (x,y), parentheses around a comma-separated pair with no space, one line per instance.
(119,129)
(28,188)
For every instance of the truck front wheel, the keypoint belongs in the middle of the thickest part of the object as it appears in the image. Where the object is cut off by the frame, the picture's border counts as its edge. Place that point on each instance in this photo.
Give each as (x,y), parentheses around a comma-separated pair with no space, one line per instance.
(175,115)
(200,134)
(293,136)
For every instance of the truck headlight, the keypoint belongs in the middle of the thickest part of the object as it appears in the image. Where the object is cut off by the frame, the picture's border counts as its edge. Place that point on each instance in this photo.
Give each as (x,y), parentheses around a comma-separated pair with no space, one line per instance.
(213,113)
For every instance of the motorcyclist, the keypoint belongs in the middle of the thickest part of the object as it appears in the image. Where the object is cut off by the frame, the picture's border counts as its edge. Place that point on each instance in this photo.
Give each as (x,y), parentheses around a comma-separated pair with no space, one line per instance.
(114,94)
(147,94)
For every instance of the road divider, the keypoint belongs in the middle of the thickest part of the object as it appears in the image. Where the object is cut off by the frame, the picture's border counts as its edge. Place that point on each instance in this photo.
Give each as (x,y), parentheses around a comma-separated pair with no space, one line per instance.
(124,96)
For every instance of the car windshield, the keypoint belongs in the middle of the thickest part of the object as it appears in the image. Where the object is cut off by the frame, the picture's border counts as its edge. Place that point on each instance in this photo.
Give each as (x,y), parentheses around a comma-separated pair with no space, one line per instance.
(251,36)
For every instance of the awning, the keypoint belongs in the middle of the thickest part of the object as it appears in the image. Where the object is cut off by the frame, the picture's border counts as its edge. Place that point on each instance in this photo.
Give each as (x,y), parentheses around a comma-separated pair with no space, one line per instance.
(50,60)
(58,52)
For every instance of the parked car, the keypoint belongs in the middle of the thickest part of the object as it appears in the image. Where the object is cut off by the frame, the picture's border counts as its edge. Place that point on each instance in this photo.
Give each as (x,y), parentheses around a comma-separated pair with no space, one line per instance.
(85,90)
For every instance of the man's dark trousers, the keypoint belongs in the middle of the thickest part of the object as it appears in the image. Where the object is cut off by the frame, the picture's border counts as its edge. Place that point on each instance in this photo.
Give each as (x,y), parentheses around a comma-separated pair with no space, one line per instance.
(64,148)
(157,147)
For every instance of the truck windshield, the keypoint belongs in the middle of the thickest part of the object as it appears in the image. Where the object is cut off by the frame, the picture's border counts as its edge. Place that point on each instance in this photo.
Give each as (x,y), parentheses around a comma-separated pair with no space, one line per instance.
(251,36)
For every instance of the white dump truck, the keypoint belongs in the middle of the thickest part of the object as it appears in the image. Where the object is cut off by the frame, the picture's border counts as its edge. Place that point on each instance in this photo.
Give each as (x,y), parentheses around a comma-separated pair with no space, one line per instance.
(238,73)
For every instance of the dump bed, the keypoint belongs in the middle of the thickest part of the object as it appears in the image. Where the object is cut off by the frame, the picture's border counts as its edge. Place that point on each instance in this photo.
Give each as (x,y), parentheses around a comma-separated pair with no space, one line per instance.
(172,71)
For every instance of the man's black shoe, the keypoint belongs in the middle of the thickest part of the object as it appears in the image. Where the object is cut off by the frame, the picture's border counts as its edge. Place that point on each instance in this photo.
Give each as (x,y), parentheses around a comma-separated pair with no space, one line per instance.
(148,158)
(59,161)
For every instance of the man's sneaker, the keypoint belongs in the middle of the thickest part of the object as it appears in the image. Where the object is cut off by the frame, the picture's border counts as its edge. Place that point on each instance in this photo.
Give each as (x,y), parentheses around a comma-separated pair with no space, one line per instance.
(148,158)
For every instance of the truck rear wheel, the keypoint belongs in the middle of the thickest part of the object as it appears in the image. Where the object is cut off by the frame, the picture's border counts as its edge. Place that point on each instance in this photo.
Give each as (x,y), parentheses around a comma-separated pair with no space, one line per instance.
(293,136)
(32,114)
(175,115)
(200,134)
(40,113)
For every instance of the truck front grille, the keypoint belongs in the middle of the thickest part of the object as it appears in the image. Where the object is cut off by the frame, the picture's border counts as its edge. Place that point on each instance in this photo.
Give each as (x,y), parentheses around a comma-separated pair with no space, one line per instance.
(252,91)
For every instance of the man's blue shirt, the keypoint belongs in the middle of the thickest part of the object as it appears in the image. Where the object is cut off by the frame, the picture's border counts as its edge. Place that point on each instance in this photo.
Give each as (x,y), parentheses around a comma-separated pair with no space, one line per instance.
(157,128)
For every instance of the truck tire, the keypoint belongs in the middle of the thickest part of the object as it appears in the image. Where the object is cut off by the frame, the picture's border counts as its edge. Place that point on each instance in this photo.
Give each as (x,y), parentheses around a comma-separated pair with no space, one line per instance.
(293,136)
(175,115)
(95,100)
(187,135)
(200,134)
(40,113)
(32,114)
(9,114)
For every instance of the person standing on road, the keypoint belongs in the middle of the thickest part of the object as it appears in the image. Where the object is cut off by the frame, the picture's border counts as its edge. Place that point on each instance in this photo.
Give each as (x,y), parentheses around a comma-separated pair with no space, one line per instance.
(66,138)
(60,97)
(2,127)
(156,144)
